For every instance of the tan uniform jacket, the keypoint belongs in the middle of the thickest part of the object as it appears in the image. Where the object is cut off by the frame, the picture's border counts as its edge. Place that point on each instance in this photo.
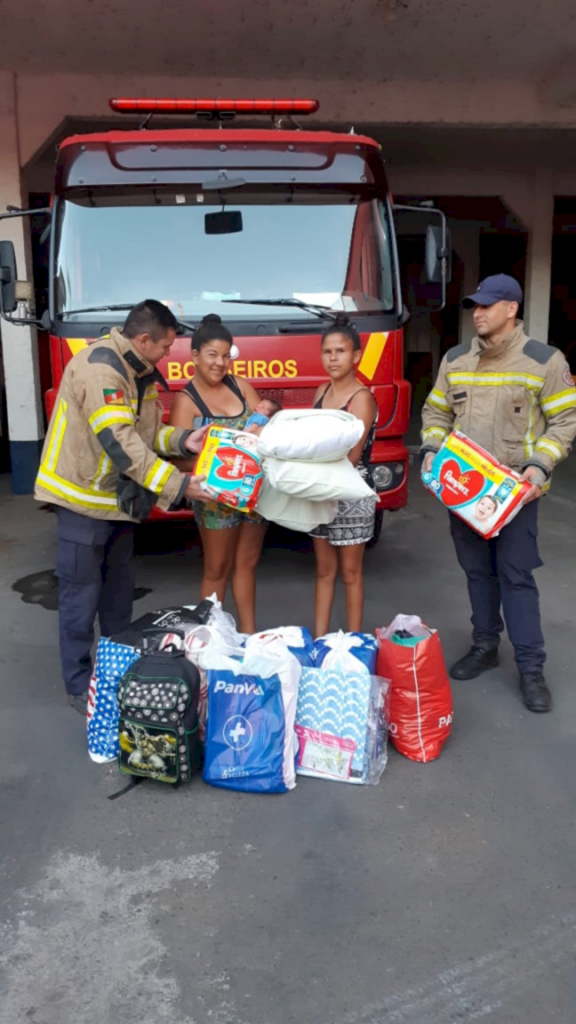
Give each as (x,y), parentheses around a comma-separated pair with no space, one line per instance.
(101,453)
(517,400)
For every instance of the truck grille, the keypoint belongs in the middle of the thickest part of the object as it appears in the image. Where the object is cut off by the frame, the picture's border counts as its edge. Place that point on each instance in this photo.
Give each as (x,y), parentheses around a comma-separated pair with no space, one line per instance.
(289,398)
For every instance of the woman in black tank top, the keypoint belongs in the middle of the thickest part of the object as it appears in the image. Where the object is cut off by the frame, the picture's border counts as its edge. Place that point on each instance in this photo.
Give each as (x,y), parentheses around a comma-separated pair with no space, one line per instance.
(231,540)
(339,546)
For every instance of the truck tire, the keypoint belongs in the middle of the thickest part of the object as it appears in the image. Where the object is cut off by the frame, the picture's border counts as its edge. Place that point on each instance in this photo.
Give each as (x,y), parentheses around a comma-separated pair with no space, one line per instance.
(378,520)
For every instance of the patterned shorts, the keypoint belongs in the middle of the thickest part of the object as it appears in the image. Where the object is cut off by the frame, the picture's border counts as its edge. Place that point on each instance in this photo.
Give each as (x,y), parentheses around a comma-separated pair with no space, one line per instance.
(212,515)
(354,524)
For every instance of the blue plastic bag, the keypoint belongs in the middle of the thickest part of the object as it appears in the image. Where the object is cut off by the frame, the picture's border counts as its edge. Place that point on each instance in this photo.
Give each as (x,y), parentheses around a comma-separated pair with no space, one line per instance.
(250,738)
(112,661)
(342,724)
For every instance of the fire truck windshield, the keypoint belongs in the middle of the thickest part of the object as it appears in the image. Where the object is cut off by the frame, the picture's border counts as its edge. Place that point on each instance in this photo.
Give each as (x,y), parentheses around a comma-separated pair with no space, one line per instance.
(325,248)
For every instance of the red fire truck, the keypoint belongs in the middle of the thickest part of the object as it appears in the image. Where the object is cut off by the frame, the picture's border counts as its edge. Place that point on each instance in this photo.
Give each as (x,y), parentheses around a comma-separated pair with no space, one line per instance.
(275,229)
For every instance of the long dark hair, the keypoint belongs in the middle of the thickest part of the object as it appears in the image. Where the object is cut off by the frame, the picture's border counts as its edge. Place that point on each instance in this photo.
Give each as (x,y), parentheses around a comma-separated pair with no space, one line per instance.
(211,329)
(342,325)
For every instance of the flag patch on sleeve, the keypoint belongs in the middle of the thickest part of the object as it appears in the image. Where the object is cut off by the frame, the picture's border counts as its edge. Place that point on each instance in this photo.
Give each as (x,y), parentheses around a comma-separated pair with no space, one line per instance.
(113,397)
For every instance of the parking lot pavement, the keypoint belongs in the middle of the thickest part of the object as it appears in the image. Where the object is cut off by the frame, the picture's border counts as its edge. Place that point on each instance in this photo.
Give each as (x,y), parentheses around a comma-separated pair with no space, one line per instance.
(444,894)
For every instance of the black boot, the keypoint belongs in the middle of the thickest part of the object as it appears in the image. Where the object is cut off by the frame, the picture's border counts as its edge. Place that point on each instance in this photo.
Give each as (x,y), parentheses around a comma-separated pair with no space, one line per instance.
(78,701)
(474,663)
(537,696)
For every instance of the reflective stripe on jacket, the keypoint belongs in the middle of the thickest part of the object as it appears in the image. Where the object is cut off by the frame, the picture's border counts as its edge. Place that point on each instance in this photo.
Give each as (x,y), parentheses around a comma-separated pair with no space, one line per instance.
(516,399)
(106,427)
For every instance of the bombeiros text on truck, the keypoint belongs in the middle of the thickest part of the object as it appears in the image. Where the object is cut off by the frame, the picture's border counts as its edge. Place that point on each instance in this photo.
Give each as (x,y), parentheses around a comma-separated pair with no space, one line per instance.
(276,229)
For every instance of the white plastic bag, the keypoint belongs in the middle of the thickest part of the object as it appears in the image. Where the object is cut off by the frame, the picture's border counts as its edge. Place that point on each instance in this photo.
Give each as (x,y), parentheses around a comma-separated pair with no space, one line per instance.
(409,624)
(297,639)
(225,624)
(347,652)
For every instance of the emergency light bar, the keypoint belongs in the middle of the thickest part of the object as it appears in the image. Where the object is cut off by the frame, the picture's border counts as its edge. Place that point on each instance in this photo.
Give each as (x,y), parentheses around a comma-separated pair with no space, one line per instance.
(213,107)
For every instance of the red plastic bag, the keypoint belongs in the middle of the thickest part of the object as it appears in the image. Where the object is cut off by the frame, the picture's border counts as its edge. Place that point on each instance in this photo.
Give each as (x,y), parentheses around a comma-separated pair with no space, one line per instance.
(421,709)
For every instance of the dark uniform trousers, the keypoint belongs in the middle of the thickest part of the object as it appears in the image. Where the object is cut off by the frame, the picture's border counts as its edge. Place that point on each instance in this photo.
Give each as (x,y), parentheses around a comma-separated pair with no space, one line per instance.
(499,574)
(95,578)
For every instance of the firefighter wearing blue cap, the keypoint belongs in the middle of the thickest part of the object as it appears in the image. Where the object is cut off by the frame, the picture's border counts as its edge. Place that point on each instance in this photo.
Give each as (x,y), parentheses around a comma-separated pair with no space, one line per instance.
(515,397)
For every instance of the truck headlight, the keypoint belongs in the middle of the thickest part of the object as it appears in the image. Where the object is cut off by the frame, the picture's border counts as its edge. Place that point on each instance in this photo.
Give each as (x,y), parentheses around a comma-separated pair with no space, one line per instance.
(387,475)
(383,477)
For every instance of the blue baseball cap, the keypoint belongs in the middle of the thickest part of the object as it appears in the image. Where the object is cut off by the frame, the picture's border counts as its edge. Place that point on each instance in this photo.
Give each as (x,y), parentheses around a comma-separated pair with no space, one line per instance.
(497,288)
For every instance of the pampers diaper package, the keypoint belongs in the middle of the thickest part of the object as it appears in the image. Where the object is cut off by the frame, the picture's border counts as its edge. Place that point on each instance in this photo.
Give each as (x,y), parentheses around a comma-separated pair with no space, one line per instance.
(475,486)
(233,468)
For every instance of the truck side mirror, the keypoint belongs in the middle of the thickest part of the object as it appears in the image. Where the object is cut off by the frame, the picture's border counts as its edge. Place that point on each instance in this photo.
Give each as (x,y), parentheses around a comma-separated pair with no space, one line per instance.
(406,314)
(435,252)
(7,277)
(436,259)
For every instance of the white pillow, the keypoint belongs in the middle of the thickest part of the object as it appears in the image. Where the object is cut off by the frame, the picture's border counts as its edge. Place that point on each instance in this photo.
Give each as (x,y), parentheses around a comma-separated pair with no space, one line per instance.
(320,435)
(294,513)
(317,481)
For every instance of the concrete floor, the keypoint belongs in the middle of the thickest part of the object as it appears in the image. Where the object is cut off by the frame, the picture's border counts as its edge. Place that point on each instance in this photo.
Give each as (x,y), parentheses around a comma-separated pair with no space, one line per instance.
(444,894)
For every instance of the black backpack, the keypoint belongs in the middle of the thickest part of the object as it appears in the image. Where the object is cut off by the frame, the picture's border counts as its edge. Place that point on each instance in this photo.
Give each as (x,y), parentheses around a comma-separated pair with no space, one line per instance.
(158,726)
(149,629)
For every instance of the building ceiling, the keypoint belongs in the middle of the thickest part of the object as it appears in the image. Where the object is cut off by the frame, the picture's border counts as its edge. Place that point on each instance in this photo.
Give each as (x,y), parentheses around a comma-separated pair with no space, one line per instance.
(348,40)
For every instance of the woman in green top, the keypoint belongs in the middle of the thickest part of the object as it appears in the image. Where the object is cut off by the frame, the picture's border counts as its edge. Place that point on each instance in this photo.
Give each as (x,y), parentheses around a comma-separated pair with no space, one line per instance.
(231,540)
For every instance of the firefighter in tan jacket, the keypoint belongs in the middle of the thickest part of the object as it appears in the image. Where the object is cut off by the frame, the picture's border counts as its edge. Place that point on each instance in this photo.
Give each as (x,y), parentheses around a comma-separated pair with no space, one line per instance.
(515,397)
(104,466)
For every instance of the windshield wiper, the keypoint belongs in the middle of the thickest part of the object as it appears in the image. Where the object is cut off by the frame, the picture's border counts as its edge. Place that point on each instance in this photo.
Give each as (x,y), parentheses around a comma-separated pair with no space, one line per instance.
(98,309)
(323,312)
(118,307)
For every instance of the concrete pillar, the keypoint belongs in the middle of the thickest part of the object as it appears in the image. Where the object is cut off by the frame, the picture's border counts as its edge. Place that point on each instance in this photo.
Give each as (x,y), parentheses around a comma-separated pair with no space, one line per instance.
(19,344)
(466,243)
(539,262)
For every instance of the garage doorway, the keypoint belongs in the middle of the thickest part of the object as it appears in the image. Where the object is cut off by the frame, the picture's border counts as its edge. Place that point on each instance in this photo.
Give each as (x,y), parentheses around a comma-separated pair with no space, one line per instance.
(563,290)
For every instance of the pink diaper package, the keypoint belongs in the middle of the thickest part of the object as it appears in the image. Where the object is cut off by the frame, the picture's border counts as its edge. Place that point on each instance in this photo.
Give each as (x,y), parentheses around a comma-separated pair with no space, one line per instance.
(473,485)
(232,466)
